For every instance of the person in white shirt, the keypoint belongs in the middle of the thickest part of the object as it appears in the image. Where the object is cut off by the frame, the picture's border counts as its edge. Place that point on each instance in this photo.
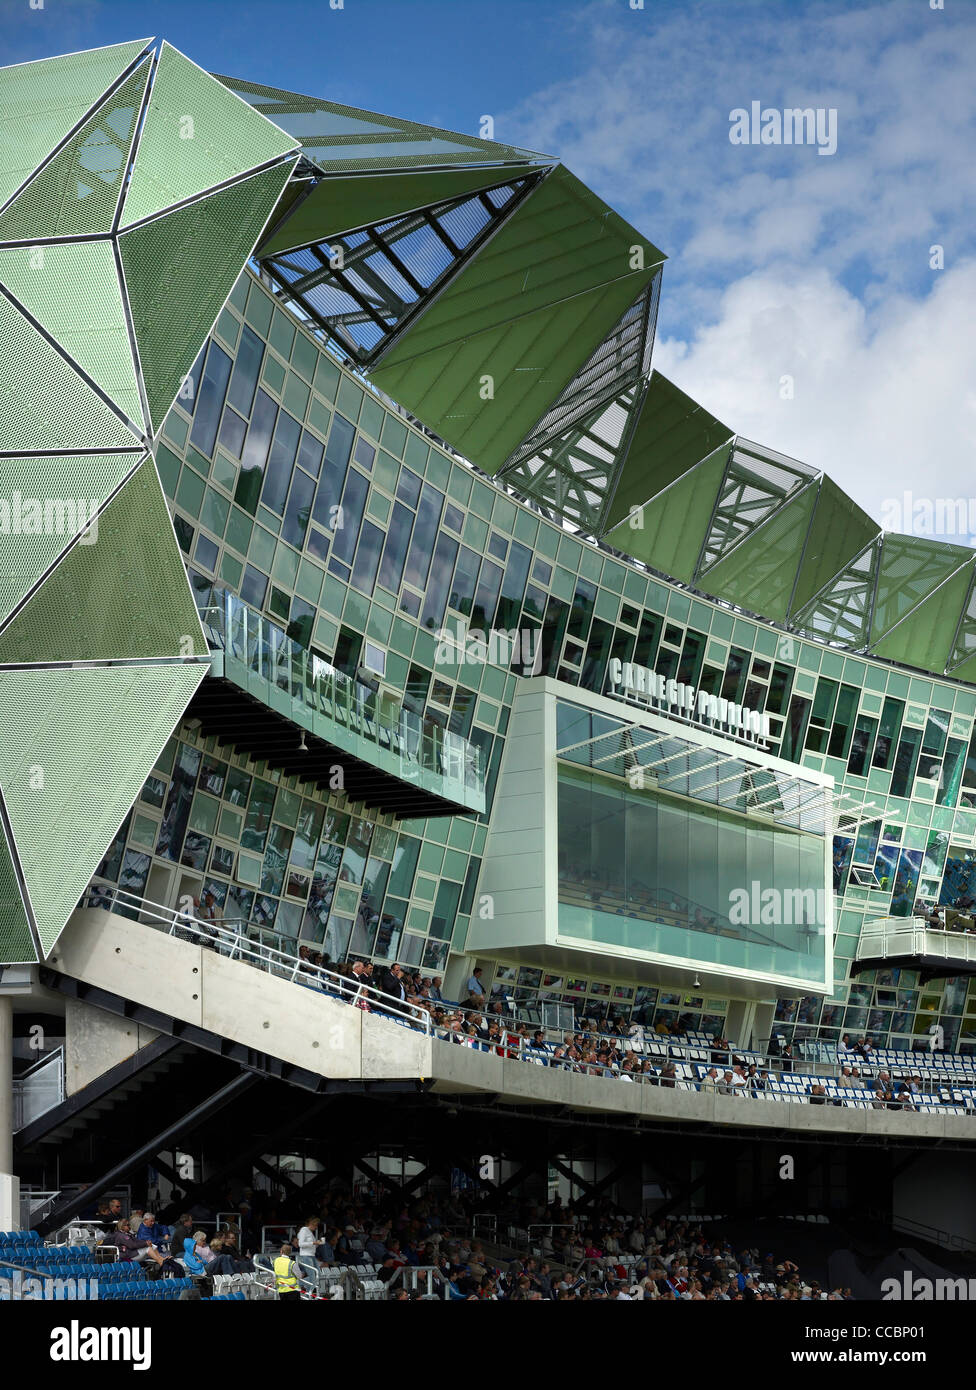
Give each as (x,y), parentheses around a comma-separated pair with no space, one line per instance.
(308,1239)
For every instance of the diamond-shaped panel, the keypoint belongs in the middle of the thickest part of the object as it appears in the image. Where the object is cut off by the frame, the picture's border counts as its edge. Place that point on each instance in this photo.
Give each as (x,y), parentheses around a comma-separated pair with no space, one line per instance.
(76,746)
(41,103)
(197,134)
(78,190)
(179,270)
(49,499)
(122,594)
(72,290)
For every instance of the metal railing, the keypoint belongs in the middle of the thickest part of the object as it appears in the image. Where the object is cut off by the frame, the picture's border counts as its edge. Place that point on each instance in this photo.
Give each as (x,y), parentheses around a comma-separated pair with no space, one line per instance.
(949,1240)
(266,649)
(363,994)
(231,939)
(38,1089)
(914,936)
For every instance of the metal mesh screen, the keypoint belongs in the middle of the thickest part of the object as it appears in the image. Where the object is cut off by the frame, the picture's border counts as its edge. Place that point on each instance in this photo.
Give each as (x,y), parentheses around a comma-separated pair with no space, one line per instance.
(74,295)
(339,137)
(44,404)
(125,596)
(96,734)
(78,191)
(179,270)
(53,479)
(41,103)
(16,943)
(197,134)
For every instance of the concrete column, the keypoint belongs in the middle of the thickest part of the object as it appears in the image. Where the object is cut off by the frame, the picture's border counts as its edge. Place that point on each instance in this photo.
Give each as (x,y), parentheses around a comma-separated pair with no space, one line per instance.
(739,1023)
(9,1185)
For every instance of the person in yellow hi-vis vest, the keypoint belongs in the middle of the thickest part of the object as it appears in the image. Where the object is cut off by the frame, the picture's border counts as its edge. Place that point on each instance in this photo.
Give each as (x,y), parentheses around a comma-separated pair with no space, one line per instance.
(286,1281)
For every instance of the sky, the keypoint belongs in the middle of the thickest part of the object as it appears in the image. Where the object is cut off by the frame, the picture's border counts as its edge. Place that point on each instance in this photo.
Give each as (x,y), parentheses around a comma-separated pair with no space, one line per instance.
(802,302)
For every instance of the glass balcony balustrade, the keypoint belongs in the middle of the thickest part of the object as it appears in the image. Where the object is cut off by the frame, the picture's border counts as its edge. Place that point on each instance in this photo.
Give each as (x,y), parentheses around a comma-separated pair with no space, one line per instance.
(254,652)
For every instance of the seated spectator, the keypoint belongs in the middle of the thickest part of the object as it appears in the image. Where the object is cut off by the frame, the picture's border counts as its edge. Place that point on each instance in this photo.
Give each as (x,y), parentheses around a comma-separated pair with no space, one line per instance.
(151,1230)
(192,1257)
(818,1095)
(130,1248)
(710,1080)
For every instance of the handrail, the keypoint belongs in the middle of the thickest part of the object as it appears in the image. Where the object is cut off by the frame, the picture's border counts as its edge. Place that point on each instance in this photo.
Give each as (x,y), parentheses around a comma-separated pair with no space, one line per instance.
(29,1084)
(514,1047)
(915,936)
(244,634)
(242,947)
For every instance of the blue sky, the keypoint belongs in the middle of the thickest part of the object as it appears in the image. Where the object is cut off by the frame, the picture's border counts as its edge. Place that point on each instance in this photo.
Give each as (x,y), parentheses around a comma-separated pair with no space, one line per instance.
(799,301)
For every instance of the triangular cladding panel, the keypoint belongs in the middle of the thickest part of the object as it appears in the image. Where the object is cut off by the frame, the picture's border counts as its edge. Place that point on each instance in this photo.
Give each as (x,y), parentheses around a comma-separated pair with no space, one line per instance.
(344,138)
(45,404)
(841,612)
(77,746)
(77,191)
(561,241)
(675,522)
(965,672)
(197,134)
(75,485)
(341,205)
(964,636)
(673,433)
(911,568)
(179,270)
(839,532)
(41,103)
(72,290)
(528,363)
(123,596)
(16,942)
(924,638)
(760,572)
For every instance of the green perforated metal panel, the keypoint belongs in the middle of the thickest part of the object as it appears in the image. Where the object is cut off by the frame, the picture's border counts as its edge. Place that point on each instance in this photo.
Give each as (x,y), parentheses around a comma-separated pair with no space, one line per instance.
(964,643)
(41,103)
(69,488)
(78,190)
(344,138)
(197,134)
(485,393)
(757,483)
(561,241)
(671,528)
(340,205)
(44,404)
(839,532)
(672,434)
(909,569)
(924,637)
(760,572)
(179,270)
(841,612)
(76,746)
(72,290)
(123,596)
(16,942)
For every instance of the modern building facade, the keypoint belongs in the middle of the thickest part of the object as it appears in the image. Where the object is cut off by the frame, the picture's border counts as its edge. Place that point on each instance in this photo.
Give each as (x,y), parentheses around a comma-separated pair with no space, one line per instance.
(492,645)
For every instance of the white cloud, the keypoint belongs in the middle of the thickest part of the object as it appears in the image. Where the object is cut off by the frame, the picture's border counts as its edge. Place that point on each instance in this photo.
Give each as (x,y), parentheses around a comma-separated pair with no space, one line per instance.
(783,262)
(884,403)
